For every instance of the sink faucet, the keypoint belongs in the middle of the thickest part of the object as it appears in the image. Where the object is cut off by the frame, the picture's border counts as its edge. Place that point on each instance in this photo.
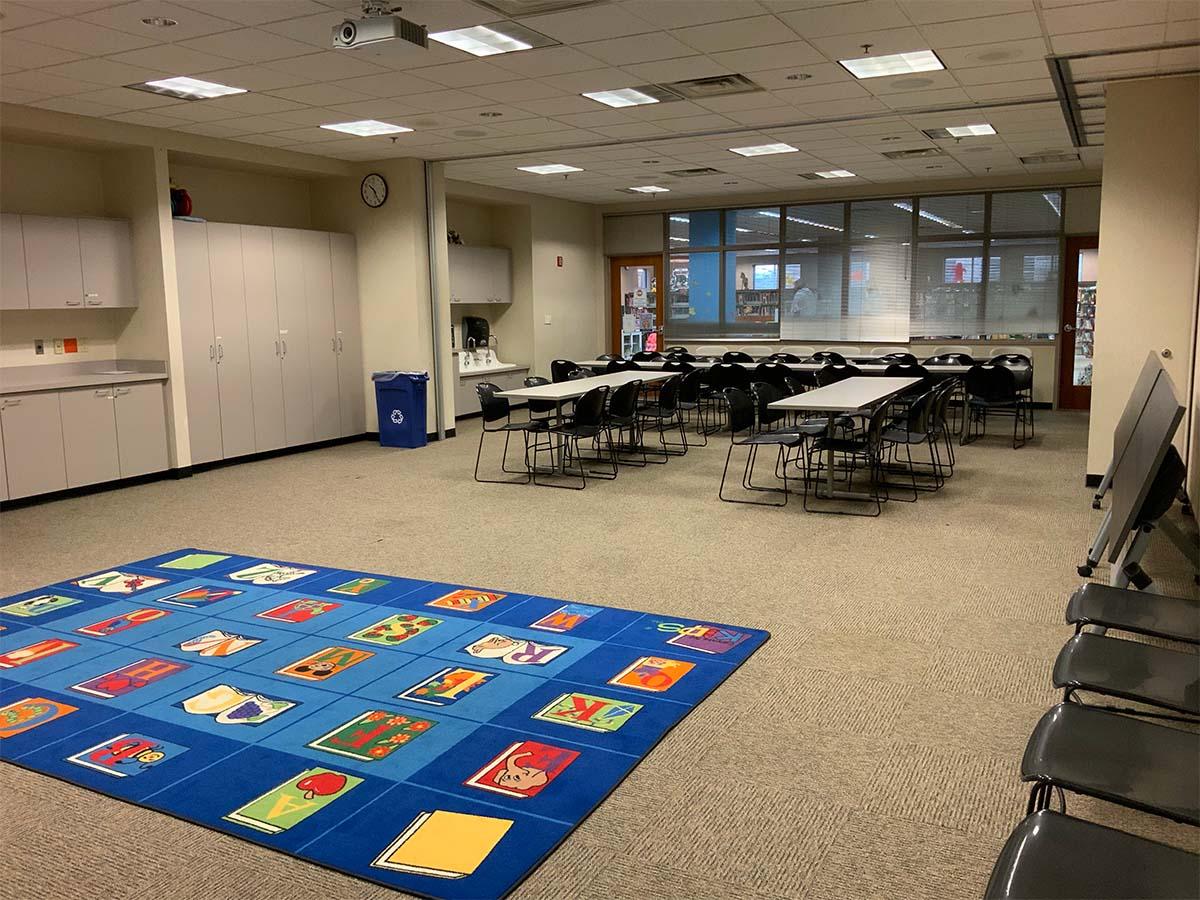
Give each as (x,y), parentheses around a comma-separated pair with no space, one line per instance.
(494,354)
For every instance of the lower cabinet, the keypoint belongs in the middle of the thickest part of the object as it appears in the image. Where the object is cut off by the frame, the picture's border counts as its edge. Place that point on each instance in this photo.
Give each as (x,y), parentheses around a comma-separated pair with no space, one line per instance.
(466,400)
(34,460)
(72,438)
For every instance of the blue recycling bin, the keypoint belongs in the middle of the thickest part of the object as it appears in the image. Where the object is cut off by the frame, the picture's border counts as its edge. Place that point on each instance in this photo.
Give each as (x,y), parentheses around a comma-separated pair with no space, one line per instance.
(400,402)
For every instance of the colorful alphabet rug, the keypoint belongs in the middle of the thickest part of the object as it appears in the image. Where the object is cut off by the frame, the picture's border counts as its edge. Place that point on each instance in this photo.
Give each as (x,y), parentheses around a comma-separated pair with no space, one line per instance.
(435,738)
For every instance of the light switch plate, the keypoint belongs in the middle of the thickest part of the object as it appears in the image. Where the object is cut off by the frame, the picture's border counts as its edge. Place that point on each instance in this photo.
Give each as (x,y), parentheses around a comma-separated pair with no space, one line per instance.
(58,345)
(547,320)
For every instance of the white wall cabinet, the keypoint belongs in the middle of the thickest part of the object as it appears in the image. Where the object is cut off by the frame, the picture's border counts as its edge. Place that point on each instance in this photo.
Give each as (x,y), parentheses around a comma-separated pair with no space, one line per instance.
(480,274)
(4,495)
(34,460)
(68,263)
(14,287)
(141,417)
(271,329)
(89,435)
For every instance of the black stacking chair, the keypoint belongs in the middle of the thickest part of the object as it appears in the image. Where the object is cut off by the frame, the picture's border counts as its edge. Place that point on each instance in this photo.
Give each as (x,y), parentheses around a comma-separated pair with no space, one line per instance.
(1050,855)
(677,365)
(1114,757)
(621,365)
(916,428)
(863,451)
(561,369)
(944,391)
(993,389)
(726,375)
(1022,369)
(736,356)
(497,420)
(784,358)
(663,413)
(579,375)
(742,434)
(681,355)
(647,356)
(949,359)
(695,397)
(764,394)
(1130,670)
(540,410)
(831,373)
(676,349)
(622,415)
(774,373)
(906,359)
(604,358)
(1154,615)
(588,423)
(910,370)
(828,356)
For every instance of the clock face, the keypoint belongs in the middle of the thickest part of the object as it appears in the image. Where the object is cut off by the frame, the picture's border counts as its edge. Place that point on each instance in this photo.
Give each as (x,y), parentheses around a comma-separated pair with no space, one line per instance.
(374,190)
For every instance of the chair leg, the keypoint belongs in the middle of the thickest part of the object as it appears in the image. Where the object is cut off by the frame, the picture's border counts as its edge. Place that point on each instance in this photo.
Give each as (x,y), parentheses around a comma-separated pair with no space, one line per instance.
(747,480)
(503,467)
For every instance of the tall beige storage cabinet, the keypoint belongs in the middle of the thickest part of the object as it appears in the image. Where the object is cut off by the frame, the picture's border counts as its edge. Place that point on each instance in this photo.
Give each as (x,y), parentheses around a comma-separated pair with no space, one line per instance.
(348,319)
(262,326)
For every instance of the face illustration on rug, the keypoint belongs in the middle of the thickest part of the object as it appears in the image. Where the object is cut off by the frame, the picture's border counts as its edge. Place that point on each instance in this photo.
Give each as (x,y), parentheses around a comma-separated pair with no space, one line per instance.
(523,769)
(19,717)
(514,651)
(126,754)
(325,663)
(119,582)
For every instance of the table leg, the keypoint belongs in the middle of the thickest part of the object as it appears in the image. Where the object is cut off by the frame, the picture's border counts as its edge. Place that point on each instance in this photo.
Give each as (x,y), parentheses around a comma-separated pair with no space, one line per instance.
(829,453)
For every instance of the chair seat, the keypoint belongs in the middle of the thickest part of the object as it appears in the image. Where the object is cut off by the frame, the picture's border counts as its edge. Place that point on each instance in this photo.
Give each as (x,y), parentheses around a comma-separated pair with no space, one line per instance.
(580,431)
(656,413)
(531,425)
(1154,614)
(773,437)
(994,404)
(1050,856)
(1117,758)
(1130,670)
(903,436)
(841,445)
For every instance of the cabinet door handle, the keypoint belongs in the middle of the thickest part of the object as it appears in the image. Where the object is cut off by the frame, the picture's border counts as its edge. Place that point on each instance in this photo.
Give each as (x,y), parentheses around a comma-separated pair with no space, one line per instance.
(74,303)
(121,392)
(95,303)
(341,346)
(220,352)
(212,352)
(333,344)
(284,347)
(277,348)
(106,394)
(12,402)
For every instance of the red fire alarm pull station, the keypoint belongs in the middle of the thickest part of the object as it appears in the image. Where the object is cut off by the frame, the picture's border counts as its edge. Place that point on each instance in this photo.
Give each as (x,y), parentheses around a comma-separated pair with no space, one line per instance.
(558,261)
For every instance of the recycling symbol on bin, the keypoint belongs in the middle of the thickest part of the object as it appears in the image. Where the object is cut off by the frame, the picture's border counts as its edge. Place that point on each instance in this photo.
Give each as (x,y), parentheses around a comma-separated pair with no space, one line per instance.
(397,417)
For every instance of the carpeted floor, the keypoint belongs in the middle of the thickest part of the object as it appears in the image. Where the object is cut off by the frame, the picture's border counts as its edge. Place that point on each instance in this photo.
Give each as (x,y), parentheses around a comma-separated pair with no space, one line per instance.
(870,749)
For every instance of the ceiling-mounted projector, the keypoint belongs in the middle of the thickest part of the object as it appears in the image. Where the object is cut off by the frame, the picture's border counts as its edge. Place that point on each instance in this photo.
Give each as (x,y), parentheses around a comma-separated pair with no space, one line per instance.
(379,23)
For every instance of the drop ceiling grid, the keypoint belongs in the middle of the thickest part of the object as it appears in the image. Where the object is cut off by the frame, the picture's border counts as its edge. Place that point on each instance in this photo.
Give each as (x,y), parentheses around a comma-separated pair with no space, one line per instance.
(279,49)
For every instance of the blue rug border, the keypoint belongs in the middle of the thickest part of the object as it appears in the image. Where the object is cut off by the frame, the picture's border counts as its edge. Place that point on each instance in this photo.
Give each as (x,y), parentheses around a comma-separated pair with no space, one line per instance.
(241,836)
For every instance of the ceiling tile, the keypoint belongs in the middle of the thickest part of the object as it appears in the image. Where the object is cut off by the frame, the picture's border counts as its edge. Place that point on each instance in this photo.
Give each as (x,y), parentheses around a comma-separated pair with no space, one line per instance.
(634,130)
(599,117)
(391,84)
(128,17)
(777,79)
(846,18)
(248,45)
(766,115)
(320,94)
(535,125)
(327,66)
(18,15)
(987,30)
(251,104)
(797,54)
(557,106)
(104,71)
(924,12)
(1108,39)
(637,48)
(587,24)
(77,107)
(10,94)
(121,99)
(992,54)
(803,96)
(920,81)
(315,135)
(316,29)
(149,119)
(918,99)
(216,129)
(172,59)
(545,61)
(668,70)
(442,100)
(893,40)
(254,78)
(1011,90)
(16,54)
(753,32)
(46,84)
(739,102)
(257,12)
(464,74)
(374,109)
(1100,16)
(82,37)
(1022,71)
(515,91)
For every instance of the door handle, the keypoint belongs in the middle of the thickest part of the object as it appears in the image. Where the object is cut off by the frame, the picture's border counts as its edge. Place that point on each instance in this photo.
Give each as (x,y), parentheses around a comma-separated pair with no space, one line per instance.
(121,392)
(333,344)
(1068,328)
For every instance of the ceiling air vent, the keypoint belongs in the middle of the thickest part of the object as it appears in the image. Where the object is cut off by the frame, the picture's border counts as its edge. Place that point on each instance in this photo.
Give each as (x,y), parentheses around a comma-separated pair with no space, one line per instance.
(1050,158)
(694,173)
(716,86)
(919,153)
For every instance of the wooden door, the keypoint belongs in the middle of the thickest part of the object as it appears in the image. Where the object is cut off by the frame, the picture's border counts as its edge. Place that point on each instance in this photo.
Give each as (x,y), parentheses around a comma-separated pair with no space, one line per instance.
(33,444)
(1077,332)
(636,287)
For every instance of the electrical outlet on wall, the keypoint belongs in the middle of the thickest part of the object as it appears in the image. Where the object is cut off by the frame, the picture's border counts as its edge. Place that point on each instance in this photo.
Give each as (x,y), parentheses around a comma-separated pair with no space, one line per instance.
(39,347)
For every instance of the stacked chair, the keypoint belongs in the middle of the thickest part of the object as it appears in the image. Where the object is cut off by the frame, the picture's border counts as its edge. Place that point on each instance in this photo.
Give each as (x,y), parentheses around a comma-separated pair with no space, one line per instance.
(1135,745)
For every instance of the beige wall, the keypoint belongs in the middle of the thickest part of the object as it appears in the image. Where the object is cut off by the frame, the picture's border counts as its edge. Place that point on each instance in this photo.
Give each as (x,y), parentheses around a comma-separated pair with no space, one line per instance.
(50,181)
(1149,216)
(246,198)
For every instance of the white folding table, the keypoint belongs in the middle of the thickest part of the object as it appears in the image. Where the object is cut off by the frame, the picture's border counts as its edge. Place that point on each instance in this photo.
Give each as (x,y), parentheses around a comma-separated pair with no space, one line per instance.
(851,395)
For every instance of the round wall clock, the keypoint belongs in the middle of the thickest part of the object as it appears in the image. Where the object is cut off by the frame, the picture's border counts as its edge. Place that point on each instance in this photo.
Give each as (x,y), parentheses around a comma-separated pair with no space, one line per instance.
(374,190)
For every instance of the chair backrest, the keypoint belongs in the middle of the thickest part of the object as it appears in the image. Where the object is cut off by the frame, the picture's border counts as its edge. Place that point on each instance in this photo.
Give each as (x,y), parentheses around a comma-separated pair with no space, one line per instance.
(736,356)
(876,424)
(955,348)
(991,383)
(668,394)
(772,373)
(646,356)
(561,369)
(801,350)
(727,375)
(681,355)
(1012,360)
(492,406)
(829,356)
(621,365)
(578,374)
(589,409)
(793,384)
(607,356)
(921,412)
(740,410)
(690,386)
(950,359)
(1006,351)
(886,351)
(539,406)
(622,402)
(941,405)
(677,365)
(899,357)
(909,370)
(781,356)
(678,348)
(833,373)
(765,393)
(710,350)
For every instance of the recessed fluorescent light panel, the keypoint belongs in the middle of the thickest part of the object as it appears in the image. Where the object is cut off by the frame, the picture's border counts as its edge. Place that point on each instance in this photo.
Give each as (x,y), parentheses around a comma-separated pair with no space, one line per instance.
(960,131)
(834,173)
(892,64)
(1049,158)
(184,88)
(366,128)
(648,189)
(493,39)
(631,96)
(764,149)
(549,169)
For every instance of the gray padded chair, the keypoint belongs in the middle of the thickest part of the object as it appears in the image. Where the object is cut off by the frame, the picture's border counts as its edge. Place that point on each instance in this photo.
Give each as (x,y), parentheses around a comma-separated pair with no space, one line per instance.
(1129,670)
(1050,856)
(1156,615)
(1116,758)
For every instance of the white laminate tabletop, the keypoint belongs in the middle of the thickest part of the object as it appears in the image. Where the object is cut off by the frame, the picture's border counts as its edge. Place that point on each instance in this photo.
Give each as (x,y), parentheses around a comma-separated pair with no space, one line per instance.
(872,368)
(569,390)
(848,395)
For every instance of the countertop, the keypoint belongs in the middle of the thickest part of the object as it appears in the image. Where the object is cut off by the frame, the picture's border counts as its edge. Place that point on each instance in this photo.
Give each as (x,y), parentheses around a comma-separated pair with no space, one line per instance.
(94,373)
(490,370)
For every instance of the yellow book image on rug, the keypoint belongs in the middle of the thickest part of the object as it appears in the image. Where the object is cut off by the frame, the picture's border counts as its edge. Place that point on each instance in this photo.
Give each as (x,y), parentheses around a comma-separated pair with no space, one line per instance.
(443,844)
